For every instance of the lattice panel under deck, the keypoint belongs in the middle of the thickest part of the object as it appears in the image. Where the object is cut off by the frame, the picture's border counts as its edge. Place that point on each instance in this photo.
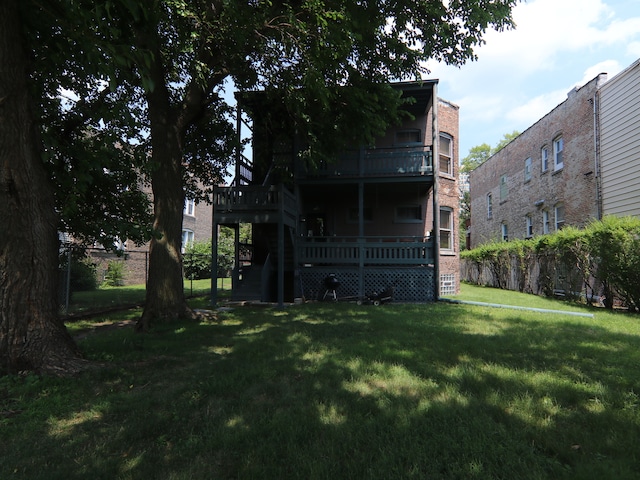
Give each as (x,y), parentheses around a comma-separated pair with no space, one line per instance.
(411,284)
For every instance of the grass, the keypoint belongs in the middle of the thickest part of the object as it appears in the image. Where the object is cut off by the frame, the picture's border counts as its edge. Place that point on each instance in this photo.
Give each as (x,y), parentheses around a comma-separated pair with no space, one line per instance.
(322,391)
(110,297)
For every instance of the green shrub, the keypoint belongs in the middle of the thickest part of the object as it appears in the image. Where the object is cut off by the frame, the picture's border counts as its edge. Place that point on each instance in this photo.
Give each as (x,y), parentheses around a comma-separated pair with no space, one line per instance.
(197,256)
(115,274)
(197,260)
(604,258)
(83,271)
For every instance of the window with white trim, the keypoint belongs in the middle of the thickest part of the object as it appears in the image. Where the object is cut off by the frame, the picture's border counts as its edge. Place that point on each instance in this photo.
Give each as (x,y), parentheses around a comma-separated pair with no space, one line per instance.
(489,206)
(559,214)
(528,221)
(545,222)
(446,229)
(445,154)
(527,169)
(544,158)
(187,239)
(558,147)
(189,207)
(504,232)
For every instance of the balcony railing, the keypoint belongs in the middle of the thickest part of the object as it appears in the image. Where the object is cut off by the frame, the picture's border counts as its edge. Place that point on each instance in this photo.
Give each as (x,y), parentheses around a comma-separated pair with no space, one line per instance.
(256,199)
(368,250)
(413,161)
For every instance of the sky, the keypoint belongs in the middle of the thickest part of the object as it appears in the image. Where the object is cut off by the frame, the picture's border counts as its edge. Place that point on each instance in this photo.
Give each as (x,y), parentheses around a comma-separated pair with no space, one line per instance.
(522,74)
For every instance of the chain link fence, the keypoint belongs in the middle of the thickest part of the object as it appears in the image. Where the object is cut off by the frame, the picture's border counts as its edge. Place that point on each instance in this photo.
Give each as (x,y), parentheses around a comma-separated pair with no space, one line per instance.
(96,279)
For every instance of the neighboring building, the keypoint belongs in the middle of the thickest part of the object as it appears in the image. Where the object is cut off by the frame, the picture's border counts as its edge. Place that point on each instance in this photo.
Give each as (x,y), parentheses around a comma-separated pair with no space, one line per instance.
(619,142)
(545,178)
(197,221)
(367,217)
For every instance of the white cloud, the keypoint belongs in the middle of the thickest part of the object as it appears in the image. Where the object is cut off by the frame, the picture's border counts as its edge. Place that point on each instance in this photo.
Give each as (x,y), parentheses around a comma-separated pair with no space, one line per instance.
(535,108)
(522,74)
(633,49)
(610,67)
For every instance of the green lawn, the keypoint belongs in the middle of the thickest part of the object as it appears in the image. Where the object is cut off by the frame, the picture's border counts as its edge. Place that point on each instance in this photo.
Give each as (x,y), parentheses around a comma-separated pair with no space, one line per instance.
(332,391)
(114,297)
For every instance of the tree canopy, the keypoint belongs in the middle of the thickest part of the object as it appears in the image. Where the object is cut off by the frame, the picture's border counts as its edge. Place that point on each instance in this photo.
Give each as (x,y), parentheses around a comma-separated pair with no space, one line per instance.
(481,153)
(145,83)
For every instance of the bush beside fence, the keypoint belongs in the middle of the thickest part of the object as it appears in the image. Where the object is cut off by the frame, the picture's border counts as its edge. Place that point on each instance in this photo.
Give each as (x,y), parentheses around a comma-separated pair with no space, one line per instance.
(600,263)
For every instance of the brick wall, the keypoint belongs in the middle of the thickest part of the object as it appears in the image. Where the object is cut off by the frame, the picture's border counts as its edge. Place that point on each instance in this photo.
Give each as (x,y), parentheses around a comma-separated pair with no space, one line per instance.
(573,186)
(448,190)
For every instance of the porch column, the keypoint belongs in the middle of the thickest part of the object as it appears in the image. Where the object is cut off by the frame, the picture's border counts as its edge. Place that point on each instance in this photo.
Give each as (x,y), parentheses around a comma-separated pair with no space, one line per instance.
(281,246)
(361,252)
(214,260)
(235,273)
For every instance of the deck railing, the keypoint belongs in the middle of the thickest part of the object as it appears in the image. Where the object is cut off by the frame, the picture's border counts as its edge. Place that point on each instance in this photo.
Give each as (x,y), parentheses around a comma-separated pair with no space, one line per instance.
(368,250)
(376,162)
(255,199)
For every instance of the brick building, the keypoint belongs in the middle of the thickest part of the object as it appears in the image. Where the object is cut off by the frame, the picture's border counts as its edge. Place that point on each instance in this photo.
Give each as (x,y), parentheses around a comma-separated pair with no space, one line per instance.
(374,216)
(545,178)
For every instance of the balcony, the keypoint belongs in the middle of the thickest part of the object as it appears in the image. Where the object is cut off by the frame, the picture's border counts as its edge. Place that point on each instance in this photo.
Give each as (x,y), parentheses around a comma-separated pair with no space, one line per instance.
(375,162)
(254,204)
(407,251)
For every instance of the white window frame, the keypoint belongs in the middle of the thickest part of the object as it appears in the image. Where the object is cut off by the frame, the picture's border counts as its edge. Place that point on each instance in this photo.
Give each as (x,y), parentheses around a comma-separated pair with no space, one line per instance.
(445,158)
(446,230)
(558,147)
(527,169)
(489,205)
(544,158)
(504,232)
(528,226)
(189,207)
(545,222)
(559,215)
(187,239)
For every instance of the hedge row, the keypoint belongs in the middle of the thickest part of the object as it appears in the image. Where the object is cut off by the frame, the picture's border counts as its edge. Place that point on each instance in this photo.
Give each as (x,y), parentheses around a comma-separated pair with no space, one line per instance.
(602,259)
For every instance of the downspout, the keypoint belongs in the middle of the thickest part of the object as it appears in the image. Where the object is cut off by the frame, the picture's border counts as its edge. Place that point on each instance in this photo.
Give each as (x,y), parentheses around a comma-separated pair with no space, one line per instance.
(435,160)
(596,149)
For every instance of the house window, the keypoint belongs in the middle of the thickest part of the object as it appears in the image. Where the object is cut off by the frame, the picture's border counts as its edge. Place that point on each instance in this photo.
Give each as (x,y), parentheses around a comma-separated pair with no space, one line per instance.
(503,187)
(489,206)
(559,213)
(527,169)
(409,214)
(446,154)
(544,157)
(446,229)
(504,232)
(189,207)
(353,215)
(558,146)
(545,221)
(408,137)
(528,225)
(187,239)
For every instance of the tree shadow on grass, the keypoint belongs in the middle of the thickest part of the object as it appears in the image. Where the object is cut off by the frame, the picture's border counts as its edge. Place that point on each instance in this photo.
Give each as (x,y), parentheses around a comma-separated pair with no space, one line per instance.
(336,391)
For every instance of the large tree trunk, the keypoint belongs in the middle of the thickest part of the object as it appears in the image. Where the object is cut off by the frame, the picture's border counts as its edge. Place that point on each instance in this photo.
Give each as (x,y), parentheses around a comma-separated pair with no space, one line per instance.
(32,337)
(165,300)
